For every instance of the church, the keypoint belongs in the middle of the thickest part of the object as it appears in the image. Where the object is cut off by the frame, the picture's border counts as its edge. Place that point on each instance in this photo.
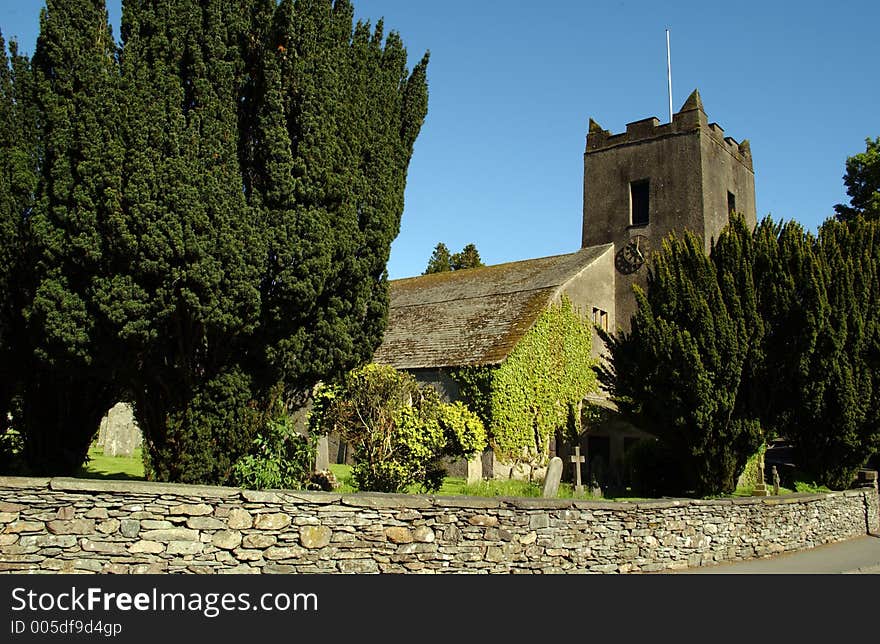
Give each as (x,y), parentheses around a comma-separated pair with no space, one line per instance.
(639,186)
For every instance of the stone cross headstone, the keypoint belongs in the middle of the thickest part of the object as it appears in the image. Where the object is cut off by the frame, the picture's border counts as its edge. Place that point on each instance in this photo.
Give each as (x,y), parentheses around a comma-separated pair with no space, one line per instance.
(760,486)
(577,459)
(554,476)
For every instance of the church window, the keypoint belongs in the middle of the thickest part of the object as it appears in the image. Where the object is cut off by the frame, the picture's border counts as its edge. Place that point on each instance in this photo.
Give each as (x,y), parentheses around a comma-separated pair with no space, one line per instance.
(600,318)
(638,201)
(731,202)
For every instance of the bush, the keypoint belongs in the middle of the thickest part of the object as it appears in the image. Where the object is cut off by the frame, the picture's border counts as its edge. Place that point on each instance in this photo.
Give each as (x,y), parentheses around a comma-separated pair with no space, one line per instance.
(399,431)
(280,458)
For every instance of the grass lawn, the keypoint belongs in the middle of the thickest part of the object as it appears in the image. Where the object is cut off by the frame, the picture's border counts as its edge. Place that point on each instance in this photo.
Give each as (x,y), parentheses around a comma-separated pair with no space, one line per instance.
(112,467)
(100,466)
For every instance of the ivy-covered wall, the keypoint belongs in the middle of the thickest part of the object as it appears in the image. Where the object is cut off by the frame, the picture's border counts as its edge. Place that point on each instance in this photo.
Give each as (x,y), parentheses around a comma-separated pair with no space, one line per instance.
(525,400)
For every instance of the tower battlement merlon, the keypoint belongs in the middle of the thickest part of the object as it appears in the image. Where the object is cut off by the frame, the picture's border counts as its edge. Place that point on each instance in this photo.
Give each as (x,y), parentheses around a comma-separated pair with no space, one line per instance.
(690,118)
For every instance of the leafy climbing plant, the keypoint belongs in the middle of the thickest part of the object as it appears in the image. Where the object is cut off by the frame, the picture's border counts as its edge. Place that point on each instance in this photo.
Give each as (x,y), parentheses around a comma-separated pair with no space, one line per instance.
(525,399)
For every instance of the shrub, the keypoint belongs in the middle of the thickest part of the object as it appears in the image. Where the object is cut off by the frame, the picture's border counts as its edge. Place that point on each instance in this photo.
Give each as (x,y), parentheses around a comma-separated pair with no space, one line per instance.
(399,431)
(280,458)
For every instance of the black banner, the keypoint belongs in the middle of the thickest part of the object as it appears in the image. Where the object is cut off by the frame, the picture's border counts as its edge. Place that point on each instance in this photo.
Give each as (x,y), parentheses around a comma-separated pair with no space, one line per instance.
(451,608)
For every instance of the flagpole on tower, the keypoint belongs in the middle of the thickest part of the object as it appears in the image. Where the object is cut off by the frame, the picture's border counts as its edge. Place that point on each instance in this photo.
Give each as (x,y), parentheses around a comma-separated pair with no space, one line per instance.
(669,73)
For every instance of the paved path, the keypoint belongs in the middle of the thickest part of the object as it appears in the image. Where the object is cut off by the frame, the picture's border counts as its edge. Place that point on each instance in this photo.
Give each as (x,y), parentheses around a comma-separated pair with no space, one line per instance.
(855,556)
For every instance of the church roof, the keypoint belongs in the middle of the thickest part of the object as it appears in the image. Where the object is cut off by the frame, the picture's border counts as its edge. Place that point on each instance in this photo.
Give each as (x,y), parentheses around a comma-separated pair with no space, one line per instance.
(474,316)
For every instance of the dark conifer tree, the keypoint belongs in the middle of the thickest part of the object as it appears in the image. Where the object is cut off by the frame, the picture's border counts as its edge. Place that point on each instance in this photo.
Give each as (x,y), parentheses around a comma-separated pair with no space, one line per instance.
(263,190)
(679,370)
(193,294)
(74,228)
(833,412)
(338,117)
(469,257)
(440,260)
(18,175)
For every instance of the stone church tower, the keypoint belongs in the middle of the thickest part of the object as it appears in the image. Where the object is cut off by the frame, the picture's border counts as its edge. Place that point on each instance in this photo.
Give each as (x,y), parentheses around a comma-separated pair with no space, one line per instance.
(653,179)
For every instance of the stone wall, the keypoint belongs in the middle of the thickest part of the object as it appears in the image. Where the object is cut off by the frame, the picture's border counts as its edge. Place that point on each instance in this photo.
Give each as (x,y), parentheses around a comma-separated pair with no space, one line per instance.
(73,525)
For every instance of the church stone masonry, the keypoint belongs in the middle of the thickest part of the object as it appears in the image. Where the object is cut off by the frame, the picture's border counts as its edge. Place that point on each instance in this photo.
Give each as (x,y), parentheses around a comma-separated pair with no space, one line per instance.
(653,179)
(639,186)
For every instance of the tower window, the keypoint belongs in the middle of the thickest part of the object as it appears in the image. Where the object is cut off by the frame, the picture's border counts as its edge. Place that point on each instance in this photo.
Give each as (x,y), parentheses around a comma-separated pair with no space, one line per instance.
(638,202)
(731,202)
(600,318)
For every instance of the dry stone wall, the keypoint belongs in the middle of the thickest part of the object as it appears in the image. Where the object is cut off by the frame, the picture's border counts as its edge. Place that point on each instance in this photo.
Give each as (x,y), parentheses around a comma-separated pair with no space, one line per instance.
(72,525)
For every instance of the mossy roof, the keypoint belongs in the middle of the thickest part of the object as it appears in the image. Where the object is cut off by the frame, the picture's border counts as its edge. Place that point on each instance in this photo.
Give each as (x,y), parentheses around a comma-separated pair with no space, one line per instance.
(475,316)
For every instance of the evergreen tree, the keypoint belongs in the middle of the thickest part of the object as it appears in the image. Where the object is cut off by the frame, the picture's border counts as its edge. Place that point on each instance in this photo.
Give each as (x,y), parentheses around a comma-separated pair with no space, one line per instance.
(338,117)
(263,190)
(72,379)
(469,257)
(833,411)
(678,372)
(441,260)
(18,168)
(187,305)
(862,180)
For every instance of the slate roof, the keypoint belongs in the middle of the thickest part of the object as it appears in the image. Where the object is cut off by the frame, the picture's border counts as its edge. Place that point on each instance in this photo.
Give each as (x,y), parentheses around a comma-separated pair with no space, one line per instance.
(475,316)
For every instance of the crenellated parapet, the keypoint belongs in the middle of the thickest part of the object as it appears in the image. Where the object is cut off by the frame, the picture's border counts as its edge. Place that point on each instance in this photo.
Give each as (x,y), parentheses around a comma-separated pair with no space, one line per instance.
(690,118)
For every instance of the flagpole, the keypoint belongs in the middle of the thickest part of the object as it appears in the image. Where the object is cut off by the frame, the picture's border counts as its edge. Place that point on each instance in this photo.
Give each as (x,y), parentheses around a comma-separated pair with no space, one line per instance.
(669,73)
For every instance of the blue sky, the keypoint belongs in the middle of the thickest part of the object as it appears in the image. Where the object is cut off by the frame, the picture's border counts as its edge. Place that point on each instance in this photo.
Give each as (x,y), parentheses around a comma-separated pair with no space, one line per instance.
(513,84)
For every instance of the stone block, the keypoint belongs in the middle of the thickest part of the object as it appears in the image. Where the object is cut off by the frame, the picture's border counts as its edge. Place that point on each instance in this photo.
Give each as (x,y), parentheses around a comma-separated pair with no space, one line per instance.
(184,547)
(398,534)
(129,528)
(423,534)
(171,534)
(258,540)
(227,539)
(274,521)
(108,527)
(104,547)
(186,509)
(24,526)
(146,547)
(205,523)
(314,537)
(239,519)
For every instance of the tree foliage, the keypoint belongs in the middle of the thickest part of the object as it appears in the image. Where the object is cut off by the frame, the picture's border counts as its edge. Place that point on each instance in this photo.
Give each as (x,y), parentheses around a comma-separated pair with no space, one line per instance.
(18,168)
(215,206)
(72,374)
(399,430)
(862,180)
(774,334)
(678,372)
(442,260)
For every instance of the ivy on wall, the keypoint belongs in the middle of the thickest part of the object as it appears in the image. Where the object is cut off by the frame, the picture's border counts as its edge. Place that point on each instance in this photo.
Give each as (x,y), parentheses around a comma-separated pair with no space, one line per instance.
(525,399)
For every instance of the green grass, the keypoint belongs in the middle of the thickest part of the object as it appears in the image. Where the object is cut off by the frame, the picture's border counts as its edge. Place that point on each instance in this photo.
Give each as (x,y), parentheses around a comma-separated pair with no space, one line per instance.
(99,466)
(457,486)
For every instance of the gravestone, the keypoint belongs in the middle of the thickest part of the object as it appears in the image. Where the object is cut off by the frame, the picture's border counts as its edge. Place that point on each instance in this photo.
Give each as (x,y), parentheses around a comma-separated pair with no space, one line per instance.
(761,487)
(119,434)
(475,470)
(553,477)
(322,454)
(577,459)
(775,481)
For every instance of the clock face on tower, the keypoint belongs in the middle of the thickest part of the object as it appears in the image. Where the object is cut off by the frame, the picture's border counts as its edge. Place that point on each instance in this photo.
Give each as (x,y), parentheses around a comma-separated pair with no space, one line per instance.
(632,256)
